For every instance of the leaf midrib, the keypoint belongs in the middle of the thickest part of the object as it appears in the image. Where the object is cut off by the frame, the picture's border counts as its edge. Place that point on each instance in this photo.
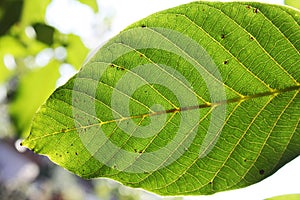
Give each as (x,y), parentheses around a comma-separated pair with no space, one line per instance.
(178,110)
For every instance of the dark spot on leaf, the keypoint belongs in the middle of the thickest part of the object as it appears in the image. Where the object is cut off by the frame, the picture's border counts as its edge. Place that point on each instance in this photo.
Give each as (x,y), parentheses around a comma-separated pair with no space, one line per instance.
(120,68)
(261,172)
(223,36)
(245,160)
(225,62)
(60,155)
(71,144)
(115,166)
(141,151)
(135,150)
(210,182)
(67,152)
(83,170)
(251,37)
(255,10)
(76,153)
(141,55)
(248,6)
(203,9)
(21,144)
(112,65)
(63,130)
(143,26)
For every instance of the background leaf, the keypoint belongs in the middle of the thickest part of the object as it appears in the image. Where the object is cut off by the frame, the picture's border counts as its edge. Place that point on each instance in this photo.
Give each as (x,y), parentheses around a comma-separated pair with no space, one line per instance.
(287,196)
(224,128)
(92,3)
(294,3)
(34,88)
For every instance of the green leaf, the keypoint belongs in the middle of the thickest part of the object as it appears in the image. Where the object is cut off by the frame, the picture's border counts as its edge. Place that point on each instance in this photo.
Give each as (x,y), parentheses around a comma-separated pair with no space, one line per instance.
(33,89)
(92,3)
(196,99)
(76,50)
(287,196)
(33,12)
(294,3)
(44,33)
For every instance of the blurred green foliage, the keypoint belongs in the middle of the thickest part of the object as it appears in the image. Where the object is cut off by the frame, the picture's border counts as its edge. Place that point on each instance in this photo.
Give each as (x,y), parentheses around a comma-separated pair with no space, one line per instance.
(293,3)
(24,35)
(287,196)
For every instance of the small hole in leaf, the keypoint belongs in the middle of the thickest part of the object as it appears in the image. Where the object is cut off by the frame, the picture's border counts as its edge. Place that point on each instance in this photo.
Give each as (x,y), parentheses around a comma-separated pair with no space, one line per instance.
(261,172)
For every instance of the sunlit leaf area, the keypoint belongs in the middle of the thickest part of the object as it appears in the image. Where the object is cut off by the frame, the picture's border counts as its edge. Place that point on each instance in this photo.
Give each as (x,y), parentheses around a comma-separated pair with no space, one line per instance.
(43,43)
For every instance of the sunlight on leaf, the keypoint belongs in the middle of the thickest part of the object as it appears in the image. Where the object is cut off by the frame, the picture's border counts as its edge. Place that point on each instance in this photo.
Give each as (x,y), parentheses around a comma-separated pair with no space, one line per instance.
(196,99)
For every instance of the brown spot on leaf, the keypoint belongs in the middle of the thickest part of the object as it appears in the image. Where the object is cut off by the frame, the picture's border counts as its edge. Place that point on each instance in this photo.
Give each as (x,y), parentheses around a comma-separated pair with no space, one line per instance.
(225,62)
(223,36)
(255,10)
